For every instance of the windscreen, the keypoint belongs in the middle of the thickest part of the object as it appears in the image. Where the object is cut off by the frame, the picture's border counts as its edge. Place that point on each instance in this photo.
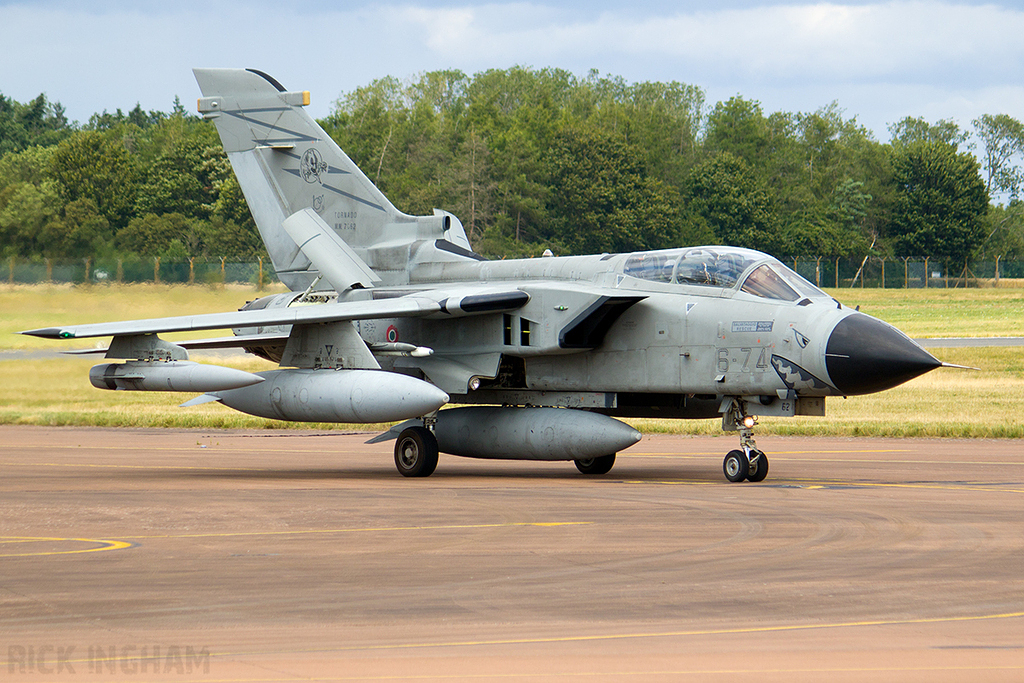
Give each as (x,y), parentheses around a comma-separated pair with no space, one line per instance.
(761,275)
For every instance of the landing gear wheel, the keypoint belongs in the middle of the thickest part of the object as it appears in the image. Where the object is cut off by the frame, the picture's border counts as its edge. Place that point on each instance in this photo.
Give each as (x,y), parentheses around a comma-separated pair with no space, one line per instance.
(416,452)
(758,467)
(599,465)
(736,466)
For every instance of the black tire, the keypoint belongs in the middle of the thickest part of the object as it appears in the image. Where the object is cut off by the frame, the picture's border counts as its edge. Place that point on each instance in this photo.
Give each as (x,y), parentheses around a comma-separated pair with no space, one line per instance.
(736,466)
(759,468)
(601,465)
(416,452)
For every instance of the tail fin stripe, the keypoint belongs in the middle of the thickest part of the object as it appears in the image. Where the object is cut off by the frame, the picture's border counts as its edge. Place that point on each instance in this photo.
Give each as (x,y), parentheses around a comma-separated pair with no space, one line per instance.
(241,113)
(298,137)
(355,198)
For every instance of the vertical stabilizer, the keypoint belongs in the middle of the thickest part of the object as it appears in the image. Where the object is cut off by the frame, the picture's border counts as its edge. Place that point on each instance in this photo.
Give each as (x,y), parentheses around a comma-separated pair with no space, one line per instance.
(285,163)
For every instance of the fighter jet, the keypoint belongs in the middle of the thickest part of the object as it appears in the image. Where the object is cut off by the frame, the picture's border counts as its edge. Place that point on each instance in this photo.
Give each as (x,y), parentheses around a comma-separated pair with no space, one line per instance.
(391,317)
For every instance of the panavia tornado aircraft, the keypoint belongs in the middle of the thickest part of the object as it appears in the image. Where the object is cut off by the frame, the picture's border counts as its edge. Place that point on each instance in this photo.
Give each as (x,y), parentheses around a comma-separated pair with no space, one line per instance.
(392,316)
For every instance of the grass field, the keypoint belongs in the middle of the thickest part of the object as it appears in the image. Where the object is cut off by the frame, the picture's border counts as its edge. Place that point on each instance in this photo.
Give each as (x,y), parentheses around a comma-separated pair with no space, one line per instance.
(943,312)
(943,403)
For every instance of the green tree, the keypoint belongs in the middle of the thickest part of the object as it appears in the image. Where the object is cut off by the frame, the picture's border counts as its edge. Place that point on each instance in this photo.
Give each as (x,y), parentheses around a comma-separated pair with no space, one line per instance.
(184,179)
(39,122)
(80,232)
(92,166)
(152,234)
(939,201)
(835,231)
(739,127)
(724,194)
(913,129)
(28,166)
(25,211)
(605,201)
(1004,230)
(1003,139)
(228,239)
(231,205)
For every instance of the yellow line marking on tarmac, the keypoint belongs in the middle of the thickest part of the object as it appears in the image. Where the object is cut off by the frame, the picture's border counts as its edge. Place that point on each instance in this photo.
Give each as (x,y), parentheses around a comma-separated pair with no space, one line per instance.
(702,632)
(105,545)
(808,452)
(812,484)
(776,455)
(577,674)
(618,636)
(166,449)
(634,636)
(139,467)
(121,545)
(439,527)
(962,486)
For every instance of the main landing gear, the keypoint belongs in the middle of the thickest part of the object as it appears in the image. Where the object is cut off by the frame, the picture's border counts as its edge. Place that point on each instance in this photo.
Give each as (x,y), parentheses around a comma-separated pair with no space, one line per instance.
(416,452)
(600,465)
(748,462)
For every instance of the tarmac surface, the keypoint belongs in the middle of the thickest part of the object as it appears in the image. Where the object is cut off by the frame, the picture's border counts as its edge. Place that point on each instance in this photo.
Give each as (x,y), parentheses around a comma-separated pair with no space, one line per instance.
(289,555)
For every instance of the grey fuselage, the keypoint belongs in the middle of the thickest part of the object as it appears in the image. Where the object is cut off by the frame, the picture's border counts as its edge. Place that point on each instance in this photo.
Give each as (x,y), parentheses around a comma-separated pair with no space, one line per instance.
(608,334)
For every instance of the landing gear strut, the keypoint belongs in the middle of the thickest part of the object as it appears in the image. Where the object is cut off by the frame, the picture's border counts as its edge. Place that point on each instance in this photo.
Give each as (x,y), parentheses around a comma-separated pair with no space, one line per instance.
(747,463)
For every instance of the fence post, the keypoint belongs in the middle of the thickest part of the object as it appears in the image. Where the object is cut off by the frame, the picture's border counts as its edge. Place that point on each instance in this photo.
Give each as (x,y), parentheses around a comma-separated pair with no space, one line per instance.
(156,270)
(837,273)
(88,266)
(997,271)
(926,273)
(191,272)
(817,272)
(223,279)
(259,283)
(883,272)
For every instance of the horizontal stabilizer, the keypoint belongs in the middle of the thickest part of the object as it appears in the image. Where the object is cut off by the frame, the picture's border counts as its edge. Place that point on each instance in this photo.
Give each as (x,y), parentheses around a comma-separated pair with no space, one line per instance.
(200,400)
(393,433)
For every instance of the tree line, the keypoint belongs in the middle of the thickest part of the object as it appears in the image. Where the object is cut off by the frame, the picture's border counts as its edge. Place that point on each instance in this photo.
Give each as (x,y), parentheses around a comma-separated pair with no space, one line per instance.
(121,185)
(531,159)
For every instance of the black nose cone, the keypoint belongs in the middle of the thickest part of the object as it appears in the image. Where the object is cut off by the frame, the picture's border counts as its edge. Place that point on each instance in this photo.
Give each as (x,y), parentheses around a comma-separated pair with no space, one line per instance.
(865,355)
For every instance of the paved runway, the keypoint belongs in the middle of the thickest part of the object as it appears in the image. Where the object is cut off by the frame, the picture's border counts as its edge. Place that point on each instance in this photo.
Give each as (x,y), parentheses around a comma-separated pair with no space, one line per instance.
(280,556)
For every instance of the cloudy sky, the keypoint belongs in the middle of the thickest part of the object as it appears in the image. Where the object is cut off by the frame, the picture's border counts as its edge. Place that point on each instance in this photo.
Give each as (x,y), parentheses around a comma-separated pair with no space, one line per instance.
(880,60)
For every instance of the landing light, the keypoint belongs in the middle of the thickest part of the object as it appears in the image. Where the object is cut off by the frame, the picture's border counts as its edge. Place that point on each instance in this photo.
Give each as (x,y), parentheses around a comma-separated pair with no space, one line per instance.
(749,421)
(474,383)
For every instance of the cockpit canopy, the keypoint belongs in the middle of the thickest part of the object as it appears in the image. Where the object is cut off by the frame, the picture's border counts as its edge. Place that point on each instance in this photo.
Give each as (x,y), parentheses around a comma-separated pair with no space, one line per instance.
(754,272)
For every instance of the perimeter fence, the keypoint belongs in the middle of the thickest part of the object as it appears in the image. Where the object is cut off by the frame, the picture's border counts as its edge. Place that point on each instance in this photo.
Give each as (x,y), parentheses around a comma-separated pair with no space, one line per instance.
(898,273)
(258,273)
(909,273)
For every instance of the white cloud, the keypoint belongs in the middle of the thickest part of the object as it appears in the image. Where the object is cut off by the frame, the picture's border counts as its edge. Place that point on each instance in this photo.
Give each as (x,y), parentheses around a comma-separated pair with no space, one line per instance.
(882,60)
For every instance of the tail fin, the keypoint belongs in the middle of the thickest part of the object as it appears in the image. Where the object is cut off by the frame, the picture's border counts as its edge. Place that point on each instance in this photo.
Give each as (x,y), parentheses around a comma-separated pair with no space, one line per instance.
(285,163)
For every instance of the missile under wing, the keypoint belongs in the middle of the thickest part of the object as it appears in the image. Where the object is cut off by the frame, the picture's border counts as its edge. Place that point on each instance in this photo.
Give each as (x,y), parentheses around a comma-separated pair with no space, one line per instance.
(393,316)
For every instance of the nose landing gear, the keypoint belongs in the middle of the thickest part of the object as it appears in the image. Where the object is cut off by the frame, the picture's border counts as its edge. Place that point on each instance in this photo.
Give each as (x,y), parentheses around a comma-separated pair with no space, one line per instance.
(747,463)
